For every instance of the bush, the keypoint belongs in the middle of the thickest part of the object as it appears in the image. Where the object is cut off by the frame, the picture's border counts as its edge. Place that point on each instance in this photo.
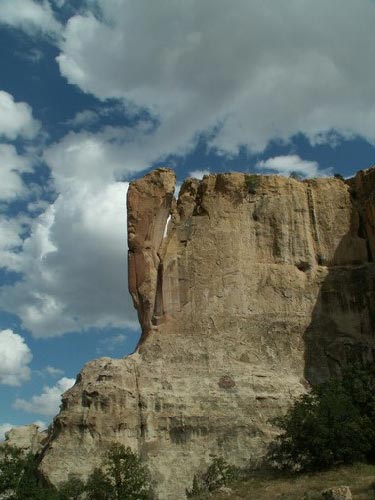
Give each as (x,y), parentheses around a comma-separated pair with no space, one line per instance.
(219,473)
(18,476)
(72,489)
(124,477)
(295,175)
(339,176)
(98,486)
(333,424)
(252,182)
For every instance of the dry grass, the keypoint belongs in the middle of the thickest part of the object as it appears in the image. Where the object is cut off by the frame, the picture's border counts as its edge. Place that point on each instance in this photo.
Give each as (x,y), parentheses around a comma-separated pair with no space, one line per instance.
(358,477)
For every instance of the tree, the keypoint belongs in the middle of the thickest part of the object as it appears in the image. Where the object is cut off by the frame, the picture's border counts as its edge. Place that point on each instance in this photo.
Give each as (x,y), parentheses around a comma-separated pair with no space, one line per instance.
(252,182)
(18,476)
(124,477)
(72,489)
(219,473)
(295,175)
(99,486)
(339,176)
(333,424)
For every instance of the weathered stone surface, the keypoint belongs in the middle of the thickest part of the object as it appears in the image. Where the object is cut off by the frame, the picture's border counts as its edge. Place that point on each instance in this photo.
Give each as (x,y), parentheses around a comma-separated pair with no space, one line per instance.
(337,493)
(244,300)
(26,437)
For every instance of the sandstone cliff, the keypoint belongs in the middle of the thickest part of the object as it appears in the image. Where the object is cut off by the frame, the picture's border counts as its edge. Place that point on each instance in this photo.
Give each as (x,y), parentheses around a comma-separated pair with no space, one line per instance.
(246,290)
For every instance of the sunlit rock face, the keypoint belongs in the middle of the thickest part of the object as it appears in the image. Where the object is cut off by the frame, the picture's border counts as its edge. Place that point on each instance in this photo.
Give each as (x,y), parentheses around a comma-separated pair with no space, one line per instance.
(27,438)
(247,290)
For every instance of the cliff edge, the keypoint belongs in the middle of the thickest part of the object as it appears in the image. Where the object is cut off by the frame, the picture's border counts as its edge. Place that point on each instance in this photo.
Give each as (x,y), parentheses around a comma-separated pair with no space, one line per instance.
(247,289)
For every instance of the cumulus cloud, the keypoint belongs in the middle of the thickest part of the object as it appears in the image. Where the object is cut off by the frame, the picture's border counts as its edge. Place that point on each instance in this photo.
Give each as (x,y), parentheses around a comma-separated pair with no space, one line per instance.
(53,372)
(74,264)
(248,74)
(15,357)
(285,165)
(74,260)
(10,243)
(29,15)
(11,166)
(16,118)
(111,344)
(48,401)
(83,118)
(199,174)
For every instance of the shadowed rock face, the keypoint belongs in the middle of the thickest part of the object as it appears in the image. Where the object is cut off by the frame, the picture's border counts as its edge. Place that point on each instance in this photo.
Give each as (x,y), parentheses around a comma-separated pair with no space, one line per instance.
(243,299)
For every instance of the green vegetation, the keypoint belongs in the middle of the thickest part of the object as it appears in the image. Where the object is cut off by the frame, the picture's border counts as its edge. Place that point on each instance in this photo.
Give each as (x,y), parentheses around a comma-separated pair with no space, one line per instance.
(333,424)
(339,176)
(295,175)
(219,473)
(123,477)
(328,429)
(323,432)
(252,182)
(265,485)
(18,476)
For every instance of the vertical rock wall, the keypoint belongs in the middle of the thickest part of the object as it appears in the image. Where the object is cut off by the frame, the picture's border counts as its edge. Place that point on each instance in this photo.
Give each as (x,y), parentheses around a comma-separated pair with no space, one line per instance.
(255,288)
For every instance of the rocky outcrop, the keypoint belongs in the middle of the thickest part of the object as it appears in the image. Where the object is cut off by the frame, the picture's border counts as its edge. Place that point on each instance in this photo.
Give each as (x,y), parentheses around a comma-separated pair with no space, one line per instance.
(247,289)
(27,438)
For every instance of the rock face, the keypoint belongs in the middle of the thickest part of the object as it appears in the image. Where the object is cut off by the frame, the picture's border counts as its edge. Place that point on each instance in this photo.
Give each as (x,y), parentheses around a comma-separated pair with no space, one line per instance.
(26,437)
(255,287)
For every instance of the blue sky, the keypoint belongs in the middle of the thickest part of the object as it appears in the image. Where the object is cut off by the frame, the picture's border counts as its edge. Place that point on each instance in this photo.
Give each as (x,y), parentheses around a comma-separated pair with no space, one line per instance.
(94,93)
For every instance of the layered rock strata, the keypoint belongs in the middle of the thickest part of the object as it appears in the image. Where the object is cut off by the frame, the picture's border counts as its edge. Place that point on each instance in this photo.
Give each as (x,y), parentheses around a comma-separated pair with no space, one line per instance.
(247,288)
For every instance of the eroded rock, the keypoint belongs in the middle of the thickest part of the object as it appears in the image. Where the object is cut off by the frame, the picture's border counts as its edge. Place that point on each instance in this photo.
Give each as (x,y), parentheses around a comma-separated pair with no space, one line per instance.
(243,299)
(28,438)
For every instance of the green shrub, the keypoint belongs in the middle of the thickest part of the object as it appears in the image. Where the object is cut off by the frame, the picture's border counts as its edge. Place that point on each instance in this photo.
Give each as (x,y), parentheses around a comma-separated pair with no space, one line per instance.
(333,424)
(124,477)
(219,473)
(18,476)
(72,489)
(252,182)
(295,175)
(339,176)
(99,487)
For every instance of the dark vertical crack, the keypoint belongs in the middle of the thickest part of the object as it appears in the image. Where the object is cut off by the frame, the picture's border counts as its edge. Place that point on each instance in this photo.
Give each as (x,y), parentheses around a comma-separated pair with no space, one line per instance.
(158,313)
(140,404)
(362,233)
(313,222)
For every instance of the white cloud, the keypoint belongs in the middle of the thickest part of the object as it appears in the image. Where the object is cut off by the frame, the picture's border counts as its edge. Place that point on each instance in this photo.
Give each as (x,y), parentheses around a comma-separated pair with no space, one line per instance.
(16,118)
(83,118)
(285,165)
(47,403)
(259,71)
(199,174)
(10,243)
(29,15)
(11,166)
(15,357)
(111,344)
(75,264)
(5,428)
(53,372)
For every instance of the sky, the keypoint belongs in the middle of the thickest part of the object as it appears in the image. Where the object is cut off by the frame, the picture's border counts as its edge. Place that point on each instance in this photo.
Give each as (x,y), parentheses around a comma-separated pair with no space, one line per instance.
(95,93)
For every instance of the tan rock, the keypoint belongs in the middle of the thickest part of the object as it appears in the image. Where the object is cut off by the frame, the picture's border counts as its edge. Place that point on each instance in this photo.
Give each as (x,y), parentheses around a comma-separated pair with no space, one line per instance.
(26,437)
(246,298)
(337,493)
